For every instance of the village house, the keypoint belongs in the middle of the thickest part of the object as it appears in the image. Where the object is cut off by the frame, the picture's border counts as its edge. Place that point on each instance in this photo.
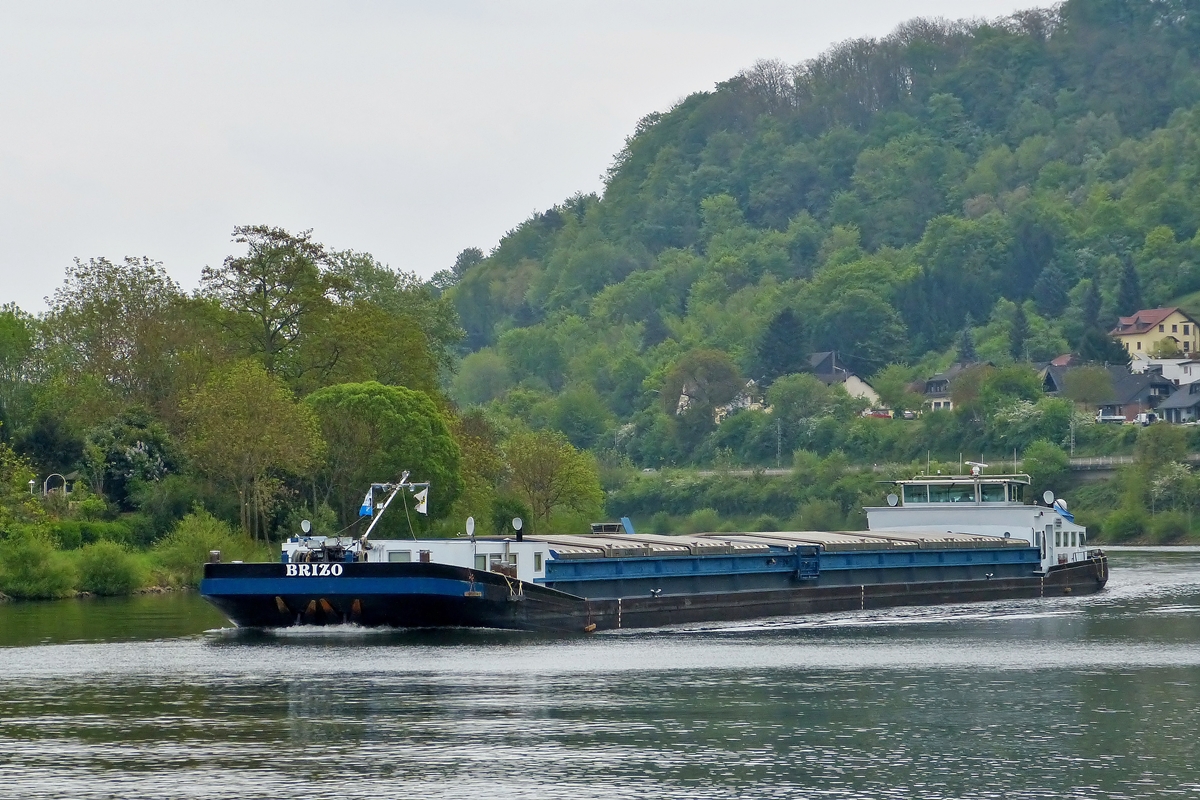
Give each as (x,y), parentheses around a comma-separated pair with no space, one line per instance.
(1179,371)
(826,369)
(1153,331)
(1183,406)
(1133,394)
(937,387)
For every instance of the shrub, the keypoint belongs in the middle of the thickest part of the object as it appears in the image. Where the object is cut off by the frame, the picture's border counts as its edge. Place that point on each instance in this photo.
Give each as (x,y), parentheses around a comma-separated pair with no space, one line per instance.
(30,568)
(1124,524)
(1168,527)
(183,552)
(765,522)
(660,522)
(106,568)
(820,515)
(704,520)
(67,535)
(91,508)
(95,531)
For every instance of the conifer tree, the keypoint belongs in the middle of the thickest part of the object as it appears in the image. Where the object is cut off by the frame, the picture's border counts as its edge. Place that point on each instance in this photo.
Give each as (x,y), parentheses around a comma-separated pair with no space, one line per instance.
(1129,294)
(781,350)
(1050,291)
(1091,305)
(966,343)
(1019,334)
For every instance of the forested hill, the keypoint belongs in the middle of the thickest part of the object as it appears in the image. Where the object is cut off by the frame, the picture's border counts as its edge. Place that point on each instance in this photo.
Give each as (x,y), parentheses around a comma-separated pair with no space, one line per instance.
(1028,178)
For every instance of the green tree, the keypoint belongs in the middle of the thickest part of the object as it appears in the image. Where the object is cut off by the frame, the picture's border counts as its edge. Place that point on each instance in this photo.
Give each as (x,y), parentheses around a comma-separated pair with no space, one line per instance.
(246,431)
(893,383)
(781,350)
(797,397)
(1048,466)
(374,433)
(119,324)
(271,292)
(966,344)
(700,381)
(408,303)
(1160,444)
(1129,292)
(547,473)
(866,332)
(1018,335)
(581,415)
(1090,386)
(482,377)
(1050,291)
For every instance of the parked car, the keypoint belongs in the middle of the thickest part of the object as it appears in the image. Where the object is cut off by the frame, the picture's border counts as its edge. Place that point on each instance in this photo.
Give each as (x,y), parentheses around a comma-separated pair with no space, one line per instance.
(1102,417)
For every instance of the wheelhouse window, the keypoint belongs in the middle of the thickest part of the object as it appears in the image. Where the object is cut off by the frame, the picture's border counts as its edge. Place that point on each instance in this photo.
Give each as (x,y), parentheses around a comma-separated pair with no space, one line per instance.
(1016,493)
(916,494)
(992,493)
(952,493)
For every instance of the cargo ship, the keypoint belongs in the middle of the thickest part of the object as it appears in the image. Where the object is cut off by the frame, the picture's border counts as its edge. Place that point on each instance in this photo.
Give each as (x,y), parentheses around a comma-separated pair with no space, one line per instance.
(940,539)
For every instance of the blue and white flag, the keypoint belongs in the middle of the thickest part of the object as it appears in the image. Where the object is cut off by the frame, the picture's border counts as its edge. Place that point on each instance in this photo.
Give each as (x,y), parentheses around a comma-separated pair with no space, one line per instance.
(368,505)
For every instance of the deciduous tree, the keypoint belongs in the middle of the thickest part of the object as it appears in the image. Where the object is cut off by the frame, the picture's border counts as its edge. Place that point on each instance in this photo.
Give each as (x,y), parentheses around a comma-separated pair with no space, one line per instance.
(547,473)
(246,430)
(376,432)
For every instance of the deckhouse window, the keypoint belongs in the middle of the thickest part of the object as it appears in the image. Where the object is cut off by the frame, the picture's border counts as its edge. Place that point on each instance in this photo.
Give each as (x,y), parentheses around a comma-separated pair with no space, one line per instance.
(916,494)
(952,493)
(400,555)
(992,493)
(1016,493)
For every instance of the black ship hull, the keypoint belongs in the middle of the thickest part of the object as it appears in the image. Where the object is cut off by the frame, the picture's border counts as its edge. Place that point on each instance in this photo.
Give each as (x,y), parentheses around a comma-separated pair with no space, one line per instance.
(416,595)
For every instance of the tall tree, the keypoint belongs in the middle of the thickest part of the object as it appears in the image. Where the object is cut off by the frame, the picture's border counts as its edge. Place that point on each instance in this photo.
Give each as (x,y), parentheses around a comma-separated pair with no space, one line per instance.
(374,433)
(1091,304)
(1050,291)
(119,323)
(782,351)
(1129,292)
(966,343)
(271,291)
(548,474)
(246,430)
(359,278)
(1019,334)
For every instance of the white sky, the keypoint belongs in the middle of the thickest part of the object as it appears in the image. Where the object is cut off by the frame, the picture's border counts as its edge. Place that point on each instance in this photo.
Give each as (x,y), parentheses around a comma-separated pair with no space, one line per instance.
(408,130)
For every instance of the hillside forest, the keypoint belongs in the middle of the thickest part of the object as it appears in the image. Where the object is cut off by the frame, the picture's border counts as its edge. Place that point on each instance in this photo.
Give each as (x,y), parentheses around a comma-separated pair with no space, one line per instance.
(974,191)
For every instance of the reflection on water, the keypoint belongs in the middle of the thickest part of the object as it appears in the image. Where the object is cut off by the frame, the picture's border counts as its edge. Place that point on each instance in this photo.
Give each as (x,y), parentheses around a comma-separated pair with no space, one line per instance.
(1071,697)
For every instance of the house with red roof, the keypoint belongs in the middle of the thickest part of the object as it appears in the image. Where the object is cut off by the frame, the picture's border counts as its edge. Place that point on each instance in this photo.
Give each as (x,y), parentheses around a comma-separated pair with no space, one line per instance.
(1158,332)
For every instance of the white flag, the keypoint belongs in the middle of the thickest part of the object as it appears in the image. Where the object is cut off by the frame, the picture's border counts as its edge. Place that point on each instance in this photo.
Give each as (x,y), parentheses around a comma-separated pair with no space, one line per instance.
(422,498)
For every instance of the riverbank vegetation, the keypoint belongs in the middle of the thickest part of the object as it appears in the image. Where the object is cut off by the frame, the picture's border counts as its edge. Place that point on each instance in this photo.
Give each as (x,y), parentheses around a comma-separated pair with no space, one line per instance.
(990,192)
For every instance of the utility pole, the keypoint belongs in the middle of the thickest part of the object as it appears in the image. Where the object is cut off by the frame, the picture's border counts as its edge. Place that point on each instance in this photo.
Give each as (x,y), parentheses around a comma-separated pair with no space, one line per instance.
(778,443)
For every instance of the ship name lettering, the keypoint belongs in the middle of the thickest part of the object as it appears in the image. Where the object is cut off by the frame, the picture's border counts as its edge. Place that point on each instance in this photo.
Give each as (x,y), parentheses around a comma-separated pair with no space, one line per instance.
(313,570)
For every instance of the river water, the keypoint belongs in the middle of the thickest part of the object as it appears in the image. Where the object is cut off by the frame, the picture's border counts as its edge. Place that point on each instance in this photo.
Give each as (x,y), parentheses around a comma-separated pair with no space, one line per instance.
(1088,697)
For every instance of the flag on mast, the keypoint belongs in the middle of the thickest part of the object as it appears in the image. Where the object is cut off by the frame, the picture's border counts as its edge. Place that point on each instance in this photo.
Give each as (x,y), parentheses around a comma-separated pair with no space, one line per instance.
(368,505)
(422,498)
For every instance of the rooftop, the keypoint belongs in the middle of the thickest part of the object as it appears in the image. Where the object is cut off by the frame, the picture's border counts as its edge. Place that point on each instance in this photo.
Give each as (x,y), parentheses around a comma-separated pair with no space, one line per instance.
(1143,320)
